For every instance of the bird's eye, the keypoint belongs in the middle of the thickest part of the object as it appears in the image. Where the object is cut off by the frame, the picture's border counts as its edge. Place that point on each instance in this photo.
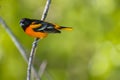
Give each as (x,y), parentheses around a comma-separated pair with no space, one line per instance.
(22,24)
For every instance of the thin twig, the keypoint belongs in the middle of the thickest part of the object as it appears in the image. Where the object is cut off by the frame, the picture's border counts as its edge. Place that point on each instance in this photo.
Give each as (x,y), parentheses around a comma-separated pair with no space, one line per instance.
(31,59)
(14,39)
(34,45)
(44,15)
(42,68)
(17,44)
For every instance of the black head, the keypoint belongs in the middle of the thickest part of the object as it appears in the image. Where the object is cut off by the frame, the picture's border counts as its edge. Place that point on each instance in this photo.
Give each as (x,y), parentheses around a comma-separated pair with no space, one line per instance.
(25,22)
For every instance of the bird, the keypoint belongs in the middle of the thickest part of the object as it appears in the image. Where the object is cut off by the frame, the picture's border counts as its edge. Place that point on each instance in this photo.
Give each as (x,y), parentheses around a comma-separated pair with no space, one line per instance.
(39,28)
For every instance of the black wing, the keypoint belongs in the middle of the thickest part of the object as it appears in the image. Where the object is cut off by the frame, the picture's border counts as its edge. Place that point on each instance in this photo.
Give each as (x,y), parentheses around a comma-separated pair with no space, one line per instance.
(46,27)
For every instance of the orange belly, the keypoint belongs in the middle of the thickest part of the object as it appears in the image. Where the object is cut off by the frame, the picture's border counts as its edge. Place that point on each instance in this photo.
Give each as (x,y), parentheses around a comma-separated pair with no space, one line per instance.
(30,32)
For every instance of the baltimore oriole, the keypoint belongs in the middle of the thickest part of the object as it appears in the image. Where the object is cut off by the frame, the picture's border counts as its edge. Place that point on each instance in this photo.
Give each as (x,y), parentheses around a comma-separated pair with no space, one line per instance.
(39,28)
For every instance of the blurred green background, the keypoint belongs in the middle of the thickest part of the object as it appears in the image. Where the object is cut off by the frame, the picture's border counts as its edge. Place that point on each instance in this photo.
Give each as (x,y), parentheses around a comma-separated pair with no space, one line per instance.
(90,52)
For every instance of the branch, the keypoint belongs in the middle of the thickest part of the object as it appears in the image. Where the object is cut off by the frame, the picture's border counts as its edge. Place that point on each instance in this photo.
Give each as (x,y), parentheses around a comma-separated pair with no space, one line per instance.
(44,15)
(31,59)
(14,39)
(17,43)
(42,68)
(34,45)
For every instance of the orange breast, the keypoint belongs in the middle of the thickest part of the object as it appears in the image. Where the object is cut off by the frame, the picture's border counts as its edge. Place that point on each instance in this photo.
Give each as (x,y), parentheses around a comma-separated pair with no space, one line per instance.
(32,33)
